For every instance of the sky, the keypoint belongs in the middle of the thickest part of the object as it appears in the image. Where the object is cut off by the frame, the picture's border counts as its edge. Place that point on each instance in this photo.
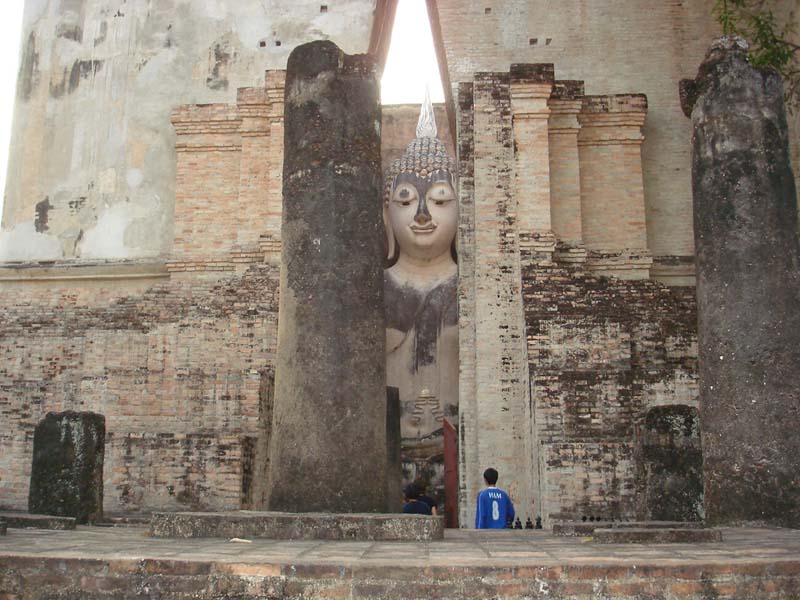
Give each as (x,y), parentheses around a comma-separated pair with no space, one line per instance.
(10,30)
(410,65)
(412,60)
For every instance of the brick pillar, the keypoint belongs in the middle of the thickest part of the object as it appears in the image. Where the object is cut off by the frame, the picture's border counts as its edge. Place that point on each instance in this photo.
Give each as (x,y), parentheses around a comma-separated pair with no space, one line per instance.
(253,105)
(565,174)
(496,423)
(531,86)
(612,185)
(468,478)
(271,240)
(207,221)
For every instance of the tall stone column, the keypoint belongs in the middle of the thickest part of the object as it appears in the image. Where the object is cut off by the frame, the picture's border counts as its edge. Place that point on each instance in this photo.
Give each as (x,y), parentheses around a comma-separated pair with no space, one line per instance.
(531,86)
(612,185)
(328,447)
(748,290)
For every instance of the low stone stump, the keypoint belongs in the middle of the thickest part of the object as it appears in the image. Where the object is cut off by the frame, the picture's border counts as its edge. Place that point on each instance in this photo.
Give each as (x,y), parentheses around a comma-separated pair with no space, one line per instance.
(297,526)
(583,528)
(67,466)
(656,536)
(29,521)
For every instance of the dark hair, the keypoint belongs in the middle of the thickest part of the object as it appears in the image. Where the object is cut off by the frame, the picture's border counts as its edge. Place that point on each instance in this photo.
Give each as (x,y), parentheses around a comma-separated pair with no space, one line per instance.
(490,475)
(411,491)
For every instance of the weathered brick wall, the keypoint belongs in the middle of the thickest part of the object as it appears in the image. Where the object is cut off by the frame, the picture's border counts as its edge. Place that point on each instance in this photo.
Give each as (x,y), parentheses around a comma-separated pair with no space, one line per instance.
(174,365)
(603,352)
(559,414)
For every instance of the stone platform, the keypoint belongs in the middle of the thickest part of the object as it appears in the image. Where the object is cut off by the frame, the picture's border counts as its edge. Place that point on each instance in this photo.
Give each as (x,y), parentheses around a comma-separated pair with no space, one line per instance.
(297,526)
(94,563)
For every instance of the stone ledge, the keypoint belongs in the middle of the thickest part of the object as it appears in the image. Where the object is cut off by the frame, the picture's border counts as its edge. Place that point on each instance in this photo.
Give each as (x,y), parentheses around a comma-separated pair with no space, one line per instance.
(583,528)
(656,536)
(62,271)
(29,521)
(297,526)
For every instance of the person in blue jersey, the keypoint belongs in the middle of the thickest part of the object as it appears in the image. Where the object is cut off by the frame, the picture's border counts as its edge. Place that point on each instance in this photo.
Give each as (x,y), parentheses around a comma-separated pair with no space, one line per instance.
(495,508)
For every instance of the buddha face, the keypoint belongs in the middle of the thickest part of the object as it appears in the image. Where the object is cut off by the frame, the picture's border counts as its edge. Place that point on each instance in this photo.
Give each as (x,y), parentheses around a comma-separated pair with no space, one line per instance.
(423,215)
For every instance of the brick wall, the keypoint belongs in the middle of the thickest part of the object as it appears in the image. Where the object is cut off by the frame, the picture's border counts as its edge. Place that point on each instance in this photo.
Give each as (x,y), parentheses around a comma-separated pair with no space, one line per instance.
(603,351)
(174,365)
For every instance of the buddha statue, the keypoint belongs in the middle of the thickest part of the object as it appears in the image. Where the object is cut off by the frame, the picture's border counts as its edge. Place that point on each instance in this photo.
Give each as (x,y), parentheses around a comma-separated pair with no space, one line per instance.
(420,284)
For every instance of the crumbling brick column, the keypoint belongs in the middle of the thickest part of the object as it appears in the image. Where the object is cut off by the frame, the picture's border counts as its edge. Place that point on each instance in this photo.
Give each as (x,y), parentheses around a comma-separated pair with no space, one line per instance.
(748,290)
(494,366)
(565,175)
(531,86)
(328,447)
(612,185)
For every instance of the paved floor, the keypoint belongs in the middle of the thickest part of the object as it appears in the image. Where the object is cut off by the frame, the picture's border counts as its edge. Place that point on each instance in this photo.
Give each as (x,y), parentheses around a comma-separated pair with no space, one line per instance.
(459,548)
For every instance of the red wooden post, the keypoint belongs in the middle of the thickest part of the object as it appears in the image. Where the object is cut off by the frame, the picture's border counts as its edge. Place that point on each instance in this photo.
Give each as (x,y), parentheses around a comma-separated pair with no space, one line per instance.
(450,475)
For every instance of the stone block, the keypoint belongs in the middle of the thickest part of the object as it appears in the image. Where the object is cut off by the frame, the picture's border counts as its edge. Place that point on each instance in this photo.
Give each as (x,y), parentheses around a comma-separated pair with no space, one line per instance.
(298,526)
(67,471)
(587,528)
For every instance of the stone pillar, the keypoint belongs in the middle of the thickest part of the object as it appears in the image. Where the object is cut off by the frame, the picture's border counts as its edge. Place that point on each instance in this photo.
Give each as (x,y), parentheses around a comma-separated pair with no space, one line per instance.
(565,174)
(328,446)
(612,185)
(748,290)
(67,469)
(531,86)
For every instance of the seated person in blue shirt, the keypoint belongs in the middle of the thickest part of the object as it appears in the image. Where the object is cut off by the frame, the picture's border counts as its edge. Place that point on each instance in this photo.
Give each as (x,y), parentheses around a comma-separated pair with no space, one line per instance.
(413,505)
(494,506)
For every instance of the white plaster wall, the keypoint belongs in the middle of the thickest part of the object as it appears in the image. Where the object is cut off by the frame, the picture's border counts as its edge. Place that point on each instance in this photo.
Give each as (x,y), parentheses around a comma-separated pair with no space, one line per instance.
(92,136)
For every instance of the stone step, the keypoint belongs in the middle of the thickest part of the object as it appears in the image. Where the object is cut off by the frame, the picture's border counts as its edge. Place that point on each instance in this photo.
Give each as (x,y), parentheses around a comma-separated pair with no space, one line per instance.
(28,521)
(584,528)
(656,536)
(297,526)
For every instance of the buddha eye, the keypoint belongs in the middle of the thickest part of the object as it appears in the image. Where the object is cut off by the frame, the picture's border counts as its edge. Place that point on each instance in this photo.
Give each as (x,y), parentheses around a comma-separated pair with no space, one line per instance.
(405,196)
(440,195)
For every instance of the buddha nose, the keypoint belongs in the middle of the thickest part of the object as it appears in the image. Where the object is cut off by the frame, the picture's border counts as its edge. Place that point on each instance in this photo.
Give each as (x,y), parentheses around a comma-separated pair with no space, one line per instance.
(423,217)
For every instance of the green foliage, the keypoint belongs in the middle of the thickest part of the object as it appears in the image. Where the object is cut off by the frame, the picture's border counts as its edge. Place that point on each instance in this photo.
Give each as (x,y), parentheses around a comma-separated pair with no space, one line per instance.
(755,21)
